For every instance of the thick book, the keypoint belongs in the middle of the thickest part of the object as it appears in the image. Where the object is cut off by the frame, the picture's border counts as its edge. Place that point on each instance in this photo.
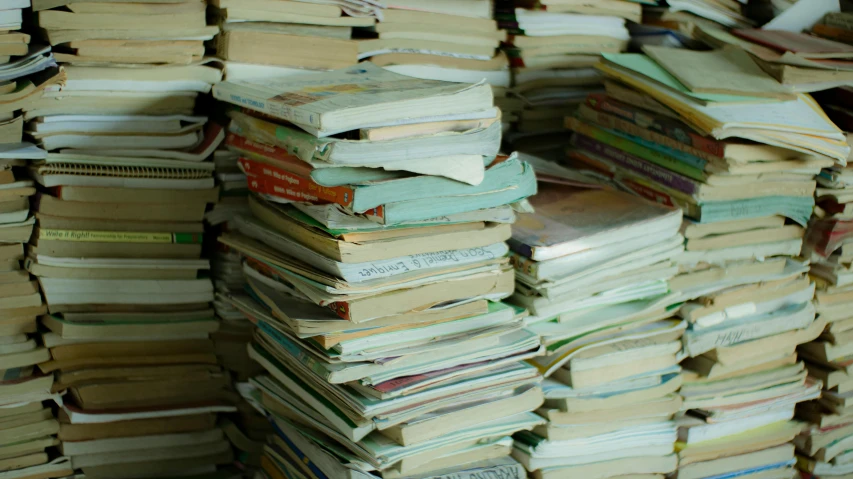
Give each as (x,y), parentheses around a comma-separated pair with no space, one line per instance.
(567,221)
(355,97)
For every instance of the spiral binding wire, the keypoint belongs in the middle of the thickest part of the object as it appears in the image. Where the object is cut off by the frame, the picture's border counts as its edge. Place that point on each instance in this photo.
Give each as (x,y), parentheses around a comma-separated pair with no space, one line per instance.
(123,171)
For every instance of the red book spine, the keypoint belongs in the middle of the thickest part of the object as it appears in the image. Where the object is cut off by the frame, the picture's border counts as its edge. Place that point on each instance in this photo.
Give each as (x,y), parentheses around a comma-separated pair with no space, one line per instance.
(270,154)
(267,179)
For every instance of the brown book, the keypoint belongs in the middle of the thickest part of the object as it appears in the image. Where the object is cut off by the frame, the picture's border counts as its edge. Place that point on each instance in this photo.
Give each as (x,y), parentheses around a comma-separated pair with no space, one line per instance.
(13,205)
(50,205)
(65,380)
(83,363)
(96,194)
(13,251)
(92,224)
(18,289)
(139,427)
(164,392)
(84,249)
(265,48)
(129,349)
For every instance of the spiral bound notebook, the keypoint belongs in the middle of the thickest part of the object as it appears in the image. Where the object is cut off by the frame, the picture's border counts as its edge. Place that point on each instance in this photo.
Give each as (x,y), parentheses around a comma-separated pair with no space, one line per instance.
(84,170)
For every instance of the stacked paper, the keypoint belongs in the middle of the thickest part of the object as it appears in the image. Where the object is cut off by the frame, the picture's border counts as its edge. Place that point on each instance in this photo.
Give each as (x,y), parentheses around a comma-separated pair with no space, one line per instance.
(376,282)
(263,39)
(553,48)
(444,40)
(747,299)
(592,267)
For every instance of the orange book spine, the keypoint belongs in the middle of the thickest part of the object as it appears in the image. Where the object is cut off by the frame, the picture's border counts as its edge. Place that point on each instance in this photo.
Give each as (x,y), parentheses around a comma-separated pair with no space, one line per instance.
(270,180)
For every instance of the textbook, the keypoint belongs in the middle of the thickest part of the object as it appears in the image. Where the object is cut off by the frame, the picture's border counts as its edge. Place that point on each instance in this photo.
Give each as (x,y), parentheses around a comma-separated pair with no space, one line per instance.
(323,117)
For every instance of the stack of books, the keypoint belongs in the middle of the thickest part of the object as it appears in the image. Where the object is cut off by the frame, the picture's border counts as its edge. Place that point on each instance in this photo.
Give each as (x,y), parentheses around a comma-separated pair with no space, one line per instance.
(824,444)
(13,42)
(20,301)
(27,425)
(376,291)
(134,72)
(259,37)
(443,40)
(592,268)
(747,297)
(552,48)
(117,245)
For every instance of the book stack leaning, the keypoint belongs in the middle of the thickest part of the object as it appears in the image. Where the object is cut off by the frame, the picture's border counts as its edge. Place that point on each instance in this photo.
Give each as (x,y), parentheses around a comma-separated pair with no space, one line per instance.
(375,274)
(117,245)
(27,426)
(824,446)
(746,192)
(592,268)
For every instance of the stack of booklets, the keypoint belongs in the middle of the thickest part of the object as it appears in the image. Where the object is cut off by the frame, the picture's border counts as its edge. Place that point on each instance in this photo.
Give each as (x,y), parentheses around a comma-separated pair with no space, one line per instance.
(117,251)
(553,46)
(823,446)
(304,457)
(258,37)
(117,245)
(444,40)
(13,42)
(592,268)
(134,72)
(800,61)
(376,267)
(27,426)
(748,299)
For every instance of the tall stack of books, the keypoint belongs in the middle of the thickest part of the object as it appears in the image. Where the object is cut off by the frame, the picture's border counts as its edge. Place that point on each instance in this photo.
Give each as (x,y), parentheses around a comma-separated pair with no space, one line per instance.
(118,240)
(27,426)
(592,268)
(746,191)
(823,445)
(553,46)
(376,262)
(260,37)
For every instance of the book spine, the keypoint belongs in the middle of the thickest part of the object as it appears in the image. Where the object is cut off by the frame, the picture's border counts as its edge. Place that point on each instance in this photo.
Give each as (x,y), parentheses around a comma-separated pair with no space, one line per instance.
(647,120)
(120,237)
(643,168)
(296,352)
(843,35)
(275,106)
(839,20)
(298,452)
(635,149)
(271,180)
(524,265)
(694,157)
(696,344)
